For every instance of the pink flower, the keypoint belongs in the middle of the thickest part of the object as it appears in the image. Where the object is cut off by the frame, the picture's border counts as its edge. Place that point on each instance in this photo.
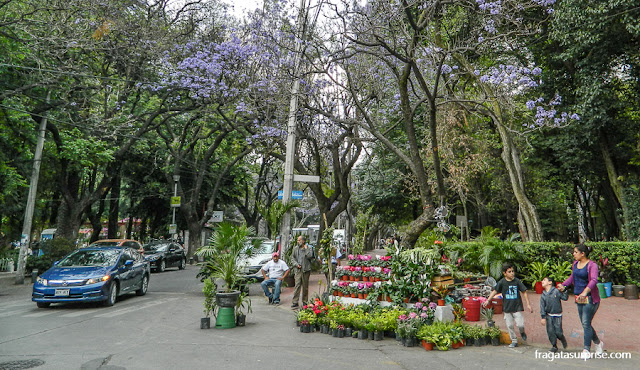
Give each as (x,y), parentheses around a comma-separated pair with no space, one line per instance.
(418,305)
(351,257)
(437,242)
(433,305)
(413,315)
(402,317)
(423,315)
(424,308)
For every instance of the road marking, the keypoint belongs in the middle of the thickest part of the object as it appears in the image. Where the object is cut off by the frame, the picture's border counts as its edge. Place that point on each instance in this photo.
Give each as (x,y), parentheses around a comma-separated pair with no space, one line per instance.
(136,308)
(130,303)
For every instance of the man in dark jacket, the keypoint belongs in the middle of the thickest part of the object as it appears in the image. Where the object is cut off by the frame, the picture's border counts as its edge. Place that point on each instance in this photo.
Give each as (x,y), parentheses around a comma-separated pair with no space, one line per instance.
(301,258)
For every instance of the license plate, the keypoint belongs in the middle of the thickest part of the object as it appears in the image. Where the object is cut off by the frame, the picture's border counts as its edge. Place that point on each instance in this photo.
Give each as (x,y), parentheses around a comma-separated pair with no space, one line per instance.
(62,293)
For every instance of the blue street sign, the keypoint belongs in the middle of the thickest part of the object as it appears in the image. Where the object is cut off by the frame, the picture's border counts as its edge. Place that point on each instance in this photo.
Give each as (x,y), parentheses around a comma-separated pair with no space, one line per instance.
(295,194)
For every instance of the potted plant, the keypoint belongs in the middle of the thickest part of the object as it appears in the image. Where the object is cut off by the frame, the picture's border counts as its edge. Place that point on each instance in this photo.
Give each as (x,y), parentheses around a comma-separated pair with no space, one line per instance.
(442,292)
(458,312)
(537,272)
(494,334)
(487,314)
(560,271)
(227,245)
(243,307)
(209,304)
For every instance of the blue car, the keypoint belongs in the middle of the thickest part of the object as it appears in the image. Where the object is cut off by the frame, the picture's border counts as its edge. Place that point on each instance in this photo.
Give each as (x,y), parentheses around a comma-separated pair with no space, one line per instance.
(93,274)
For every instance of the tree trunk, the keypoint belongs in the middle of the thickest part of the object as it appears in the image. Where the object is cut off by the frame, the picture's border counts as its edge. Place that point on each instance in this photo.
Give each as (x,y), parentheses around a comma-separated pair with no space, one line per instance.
(415,228)
(114,208)
(528,216)
(616,184)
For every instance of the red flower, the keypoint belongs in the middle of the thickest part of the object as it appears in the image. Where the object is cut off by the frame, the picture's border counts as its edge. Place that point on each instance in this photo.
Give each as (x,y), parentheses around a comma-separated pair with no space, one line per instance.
(437,242)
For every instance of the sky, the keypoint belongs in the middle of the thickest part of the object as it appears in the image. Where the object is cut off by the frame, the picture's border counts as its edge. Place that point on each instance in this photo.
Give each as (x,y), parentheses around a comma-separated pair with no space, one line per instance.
(241,5)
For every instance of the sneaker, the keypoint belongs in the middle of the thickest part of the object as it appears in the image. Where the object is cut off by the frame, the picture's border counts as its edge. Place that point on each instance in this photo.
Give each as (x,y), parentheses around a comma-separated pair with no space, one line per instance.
(513,345)
(564,343)
(599,348)
(277,303)
(553,349)
(524,336)
(270,300)
(294,306)
(585,355)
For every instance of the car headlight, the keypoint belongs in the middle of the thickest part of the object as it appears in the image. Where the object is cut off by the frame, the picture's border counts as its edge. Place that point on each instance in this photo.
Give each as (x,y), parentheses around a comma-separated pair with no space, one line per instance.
(98,279)
(152,258)
(42,281)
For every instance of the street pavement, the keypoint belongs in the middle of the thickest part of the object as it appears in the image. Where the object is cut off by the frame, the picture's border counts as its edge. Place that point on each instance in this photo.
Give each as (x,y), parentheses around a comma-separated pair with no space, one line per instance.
(161,331)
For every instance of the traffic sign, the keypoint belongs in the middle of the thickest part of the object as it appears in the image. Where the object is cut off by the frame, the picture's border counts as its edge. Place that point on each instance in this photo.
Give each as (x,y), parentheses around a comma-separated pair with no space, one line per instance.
(218,216)
(175,202)
(295,194)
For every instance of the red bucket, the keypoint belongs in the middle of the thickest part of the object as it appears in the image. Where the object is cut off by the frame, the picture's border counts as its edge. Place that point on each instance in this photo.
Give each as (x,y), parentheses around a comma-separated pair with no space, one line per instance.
(472,309)
(496,303)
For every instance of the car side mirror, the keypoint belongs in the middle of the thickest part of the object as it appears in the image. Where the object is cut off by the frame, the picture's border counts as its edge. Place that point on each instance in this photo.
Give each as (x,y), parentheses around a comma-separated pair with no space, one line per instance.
(128,263)
(55,263)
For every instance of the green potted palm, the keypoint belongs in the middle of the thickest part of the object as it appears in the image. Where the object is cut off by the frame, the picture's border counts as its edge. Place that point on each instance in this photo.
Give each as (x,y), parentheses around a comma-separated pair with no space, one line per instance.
(222,255)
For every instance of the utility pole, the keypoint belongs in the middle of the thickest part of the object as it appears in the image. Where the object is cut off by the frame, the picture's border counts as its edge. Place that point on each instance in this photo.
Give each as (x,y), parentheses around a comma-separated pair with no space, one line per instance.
(25,238)
(291,130)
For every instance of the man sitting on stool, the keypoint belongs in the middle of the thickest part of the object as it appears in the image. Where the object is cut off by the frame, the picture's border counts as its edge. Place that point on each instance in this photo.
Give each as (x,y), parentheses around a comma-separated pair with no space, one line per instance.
(278,271)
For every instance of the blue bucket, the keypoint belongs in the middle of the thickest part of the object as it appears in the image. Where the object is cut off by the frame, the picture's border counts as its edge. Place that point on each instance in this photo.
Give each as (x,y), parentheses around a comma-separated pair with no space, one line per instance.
(607,288)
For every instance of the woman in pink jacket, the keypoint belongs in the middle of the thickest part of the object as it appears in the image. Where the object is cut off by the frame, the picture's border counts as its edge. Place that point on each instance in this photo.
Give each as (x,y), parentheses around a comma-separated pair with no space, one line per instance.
(584,277)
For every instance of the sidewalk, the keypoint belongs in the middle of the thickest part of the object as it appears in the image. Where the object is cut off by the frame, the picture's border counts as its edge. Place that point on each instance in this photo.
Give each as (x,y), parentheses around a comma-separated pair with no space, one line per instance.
(616,322)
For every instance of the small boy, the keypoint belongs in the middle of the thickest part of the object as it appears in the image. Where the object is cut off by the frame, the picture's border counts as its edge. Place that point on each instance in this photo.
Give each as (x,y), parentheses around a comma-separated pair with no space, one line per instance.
(551,312)
(510,287)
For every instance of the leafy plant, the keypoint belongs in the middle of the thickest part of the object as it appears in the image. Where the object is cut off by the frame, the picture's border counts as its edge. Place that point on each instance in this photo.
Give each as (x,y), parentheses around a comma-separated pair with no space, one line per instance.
(210,304)
(494,252)
(243,306)
(537,271)
(560,271)
(487,314)
(226,246)
(458,311)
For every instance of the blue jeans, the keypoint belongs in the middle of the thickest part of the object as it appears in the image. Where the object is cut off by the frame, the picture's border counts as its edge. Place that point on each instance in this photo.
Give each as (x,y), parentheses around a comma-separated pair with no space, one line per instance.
(276,290)
(586,312)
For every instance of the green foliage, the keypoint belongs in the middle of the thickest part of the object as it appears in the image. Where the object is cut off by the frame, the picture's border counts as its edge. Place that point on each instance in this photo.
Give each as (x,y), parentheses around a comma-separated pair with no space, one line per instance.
(53,250)
(536,271)
(495,251)
(226,246)
(210,303)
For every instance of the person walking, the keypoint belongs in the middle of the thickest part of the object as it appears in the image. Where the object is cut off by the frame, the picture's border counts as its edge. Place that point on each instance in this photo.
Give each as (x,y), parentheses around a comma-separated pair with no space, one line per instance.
(584,277)
(512,290)
(551,313)
(301,258)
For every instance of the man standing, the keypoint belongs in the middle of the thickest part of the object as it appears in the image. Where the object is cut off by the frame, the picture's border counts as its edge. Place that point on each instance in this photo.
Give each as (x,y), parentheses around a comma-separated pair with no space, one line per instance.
(301,258)
(278,271)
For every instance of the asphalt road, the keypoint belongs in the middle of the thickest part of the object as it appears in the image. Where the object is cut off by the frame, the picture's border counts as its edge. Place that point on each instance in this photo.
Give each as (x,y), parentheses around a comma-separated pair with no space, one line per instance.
(162,331)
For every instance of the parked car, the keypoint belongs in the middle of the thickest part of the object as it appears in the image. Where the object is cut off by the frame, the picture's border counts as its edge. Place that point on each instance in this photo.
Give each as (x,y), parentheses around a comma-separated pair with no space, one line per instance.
(93,274)
(165,253)
(251,265)
(129,243)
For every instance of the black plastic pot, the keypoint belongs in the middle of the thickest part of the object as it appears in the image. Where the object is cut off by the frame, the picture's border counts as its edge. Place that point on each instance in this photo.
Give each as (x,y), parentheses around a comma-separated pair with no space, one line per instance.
(378,335)
(205,323)
(495,341)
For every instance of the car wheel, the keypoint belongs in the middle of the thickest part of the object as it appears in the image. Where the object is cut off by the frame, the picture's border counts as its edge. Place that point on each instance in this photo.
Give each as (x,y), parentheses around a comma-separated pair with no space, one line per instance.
(183,264)
(144,286)
(113,295)
(43,304)
(161,266)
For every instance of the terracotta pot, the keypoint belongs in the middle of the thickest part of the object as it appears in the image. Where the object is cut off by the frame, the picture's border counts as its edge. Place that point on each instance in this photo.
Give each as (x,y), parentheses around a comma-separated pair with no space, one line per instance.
(335,292)
(538,287)
(455,345)
(365,278)
(360,296)
(365,295)
(441,302)
(427,346)
(353,295)
(389,299)
(345,278)
(352,278)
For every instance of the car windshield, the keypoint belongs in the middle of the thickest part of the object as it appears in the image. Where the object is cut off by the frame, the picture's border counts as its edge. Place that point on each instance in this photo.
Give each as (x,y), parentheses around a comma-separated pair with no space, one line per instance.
(105,244)
(92,257)
(156,247)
